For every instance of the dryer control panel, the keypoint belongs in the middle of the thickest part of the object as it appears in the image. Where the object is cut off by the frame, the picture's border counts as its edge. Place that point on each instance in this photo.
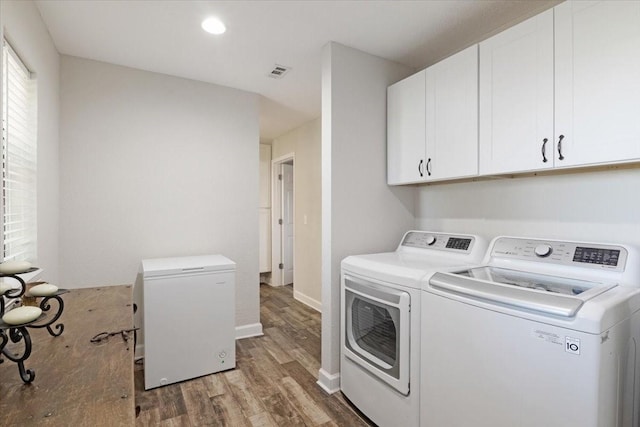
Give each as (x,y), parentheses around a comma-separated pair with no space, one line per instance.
(438,241)
(589,255)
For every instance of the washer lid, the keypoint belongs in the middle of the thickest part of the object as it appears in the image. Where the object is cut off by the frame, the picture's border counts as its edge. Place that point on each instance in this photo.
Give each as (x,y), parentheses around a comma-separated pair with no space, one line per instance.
(553,295)
(541,282)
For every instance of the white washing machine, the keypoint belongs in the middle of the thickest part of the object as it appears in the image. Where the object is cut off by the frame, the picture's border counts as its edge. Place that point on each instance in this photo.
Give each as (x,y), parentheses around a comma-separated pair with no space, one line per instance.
(545,333)
(380,321)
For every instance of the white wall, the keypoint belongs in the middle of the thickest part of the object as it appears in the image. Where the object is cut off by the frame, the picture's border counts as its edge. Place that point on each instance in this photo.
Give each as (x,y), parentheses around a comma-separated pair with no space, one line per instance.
(304,142)
(25,31)
(156,166)
(360,213)
(600,206)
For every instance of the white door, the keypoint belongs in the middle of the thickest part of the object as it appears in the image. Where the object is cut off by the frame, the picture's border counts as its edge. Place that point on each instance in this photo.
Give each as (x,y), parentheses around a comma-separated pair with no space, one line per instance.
(516,98)
(598,81)
(265,209)
(287,224)
(452,116)
(406,130)
(264,215)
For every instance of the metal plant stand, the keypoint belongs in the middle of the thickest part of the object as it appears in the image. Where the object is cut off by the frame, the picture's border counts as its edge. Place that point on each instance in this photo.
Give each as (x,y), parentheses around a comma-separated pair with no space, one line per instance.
(18,335)
(45,306)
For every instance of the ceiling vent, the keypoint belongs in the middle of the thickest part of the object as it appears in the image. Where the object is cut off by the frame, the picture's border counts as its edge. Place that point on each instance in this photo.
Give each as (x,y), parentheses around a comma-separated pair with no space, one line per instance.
(278,71)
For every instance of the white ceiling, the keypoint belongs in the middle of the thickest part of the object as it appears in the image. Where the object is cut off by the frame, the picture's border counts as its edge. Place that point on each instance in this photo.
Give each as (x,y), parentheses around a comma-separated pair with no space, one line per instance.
(165,36)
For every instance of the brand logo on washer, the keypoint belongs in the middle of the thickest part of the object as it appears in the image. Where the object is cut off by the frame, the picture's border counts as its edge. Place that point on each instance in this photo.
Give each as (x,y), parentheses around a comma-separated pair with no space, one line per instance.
(572,345)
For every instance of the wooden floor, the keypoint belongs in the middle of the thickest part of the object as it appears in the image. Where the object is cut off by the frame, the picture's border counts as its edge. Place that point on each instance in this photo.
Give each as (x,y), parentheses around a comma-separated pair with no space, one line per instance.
(77,382)
(274,383)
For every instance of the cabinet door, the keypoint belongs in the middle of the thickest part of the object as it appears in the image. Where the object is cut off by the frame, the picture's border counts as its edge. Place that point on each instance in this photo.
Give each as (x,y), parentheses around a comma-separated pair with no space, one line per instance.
(598,81)
(452,116)
(516,97)
(405,130)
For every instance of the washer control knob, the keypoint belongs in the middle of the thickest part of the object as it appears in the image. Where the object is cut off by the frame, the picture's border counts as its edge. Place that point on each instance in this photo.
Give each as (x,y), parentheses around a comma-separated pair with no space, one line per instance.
(431,240)
(543,250)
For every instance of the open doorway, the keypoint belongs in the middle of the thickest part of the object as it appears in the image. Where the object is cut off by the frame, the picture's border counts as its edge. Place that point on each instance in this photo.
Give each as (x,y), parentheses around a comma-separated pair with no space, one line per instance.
(283,230)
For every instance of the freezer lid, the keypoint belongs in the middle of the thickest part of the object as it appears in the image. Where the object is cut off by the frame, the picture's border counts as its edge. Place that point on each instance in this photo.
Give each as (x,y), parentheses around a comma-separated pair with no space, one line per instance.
(183,265)
(552,295)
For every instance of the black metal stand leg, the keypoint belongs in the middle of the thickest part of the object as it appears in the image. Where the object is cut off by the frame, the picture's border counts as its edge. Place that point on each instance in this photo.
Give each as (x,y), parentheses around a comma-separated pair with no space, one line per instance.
(16,335)
(3,341)
(45,306)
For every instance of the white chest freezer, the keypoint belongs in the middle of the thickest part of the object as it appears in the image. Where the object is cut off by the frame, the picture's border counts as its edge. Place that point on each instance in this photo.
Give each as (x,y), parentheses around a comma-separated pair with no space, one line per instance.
(189,318)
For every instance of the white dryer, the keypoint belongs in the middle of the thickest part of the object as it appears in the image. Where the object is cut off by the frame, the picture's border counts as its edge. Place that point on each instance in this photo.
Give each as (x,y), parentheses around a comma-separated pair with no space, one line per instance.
(545,333)
(380,321)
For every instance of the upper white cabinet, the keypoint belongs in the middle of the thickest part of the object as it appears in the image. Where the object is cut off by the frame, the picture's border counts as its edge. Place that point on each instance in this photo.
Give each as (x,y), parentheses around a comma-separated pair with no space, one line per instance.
(432,122)
(562,89)
(452,116)
(597,81)
(406,130)
(559,90)
(516,98)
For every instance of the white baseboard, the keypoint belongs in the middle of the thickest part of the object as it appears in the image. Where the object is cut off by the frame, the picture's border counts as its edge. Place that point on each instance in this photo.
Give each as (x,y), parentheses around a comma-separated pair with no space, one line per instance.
(248,331)
(330,383)
(273,285)
(316,305)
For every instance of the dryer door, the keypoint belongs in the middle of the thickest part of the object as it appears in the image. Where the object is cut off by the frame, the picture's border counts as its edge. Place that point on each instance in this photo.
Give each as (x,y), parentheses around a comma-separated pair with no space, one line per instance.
(376,330)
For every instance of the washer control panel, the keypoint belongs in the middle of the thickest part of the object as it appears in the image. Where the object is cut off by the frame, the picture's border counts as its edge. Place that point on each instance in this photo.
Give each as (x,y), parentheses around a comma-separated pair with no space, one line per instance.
(438,241)
(590,255)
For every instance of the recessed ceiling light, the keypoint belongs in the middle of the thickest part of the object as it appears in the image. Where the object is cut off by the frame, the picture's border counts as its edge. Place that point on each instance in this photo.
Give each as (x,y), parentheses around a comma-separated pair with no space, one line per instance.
(213,25)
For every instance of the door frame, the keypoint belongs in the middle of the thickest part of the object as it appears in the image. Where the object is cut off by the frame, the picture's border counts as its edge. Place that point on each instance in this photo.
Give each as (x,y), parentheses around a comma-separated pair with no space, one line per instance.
(277,277)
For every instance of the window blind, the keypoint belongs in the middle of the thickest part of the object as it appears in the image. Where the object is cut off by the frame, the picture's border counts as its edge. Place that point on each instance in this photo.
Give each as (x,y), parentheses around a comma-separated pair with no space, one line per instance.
(19,159)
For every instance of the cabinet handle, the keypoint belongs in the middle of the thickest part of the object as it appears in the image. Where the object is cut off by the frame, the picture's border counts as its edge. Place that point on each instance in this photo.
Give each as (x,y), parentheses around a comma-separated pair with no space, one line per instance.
(560,156)
(544,146)
(429,166)
(420,167)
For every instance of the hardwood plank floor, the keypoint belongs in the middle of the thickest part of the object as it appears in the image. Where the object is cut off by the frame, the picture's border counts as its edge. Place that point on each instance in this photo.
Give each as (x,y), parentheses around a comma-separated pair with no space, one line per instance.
(274,383)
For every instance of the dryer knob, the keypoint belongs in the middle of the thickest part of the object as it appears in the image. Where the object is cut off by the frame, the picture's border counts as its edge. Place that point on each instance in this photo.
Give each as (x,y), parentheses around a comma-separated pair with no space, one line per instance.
(543,250)
(431,240)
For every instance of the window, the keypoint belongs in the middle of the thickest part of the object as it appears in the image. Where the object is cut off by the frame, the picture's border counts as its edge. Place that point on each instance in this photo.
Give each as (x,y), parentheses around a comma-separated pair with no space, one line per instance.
(19,155)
